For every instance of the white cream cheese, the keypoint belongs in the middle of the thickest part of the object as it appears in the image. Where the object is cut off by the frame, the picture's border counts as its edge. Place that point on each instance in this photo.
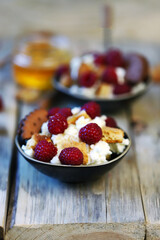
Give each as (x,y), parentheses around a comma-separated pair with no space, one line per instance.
(119,147)
(99,153)
(75,110)
(28,148)
(44,129)
(120,75)
(100,121)
(55,160)
(81,122)
(28,151)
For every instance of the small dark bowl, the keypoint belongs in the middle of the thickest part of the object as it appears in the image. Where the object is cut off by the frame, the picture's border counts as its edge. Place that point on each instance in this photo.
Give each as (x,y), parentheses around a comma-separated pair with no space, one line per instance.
(108,105)
(72,174)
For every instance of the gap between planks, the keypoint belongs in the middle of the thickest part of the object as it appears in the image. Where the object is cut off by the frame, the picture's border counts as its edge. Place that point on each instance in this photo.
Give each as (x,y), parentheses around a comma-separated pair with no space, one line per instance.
(7,122)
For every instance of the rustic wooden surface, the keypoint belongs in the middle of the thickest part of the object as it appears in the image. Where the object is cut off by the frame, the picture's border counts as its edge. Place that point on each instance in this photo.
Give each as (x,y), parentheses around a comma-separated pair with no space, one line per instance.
(124,204)
(147,147)
(52,202)
(7,128)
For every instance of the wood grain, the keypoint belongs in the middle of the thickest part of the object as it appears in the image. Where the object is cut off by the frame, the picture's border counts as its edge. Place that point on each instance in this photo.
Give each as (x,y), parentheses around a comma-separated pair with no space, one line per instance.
(123,197)
(7,125)
(45,208)
(147,146)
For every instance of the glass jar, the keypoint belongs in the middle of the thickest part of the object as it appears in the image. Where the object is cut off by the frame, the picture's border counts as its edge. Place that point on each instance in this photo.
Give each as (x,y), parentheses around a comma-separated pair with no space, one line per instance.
(36,58)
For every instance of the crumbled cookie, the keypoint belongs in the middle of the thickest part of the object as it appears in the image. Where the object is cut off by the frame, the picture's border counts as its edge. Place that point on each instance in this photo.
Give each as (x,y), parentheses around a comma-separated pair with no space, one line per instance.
(75,117)
(104,90)
(81,146)
(66,81)
(37,137)
(112,135)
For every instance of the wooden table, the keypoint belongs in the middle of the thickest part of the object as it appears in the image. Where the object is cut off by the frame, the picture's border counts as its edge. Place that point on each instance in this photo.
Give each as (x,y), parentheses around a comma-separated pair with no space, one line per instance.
(123,204)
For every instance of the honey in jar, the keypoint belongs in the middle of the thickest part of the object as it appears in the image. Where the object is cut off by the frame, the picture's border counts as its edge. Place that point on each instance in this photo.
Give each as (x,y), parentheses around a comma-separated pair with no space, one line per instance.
(35,62)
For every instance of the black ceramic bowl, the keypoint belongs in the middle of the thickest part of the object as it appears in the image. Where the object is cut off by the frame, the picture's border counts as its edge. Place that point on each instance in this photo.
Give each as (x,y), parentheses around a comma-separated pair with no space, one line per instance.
(72,174)
(112,104)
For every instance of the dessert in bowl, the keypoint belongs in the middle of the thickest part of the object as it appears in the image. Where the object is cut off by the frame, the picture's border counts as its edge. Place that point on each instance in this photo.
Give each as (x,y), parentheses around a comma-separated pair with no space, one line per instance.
(74,145)
(111,76)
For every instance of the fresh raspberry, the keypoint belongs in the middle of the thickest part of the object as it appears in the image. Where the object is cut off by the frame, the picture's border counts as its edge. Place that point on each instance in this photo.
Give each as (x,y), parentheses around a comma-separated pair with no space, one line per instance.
(71,156)
(61,70)
(99,59)
(114,58)
(87,79)
(110,122)
(1,104)
(110,76)
(90,134)
(45,151)
(57,124)
(53,111)
(121,89)
(92,109)
(66,112)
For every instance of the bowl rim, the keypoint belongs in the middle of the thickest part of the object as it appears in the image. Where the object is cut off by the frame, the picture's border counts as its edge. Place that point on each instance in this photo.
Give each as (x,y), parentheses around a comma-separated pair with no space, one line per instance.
(73,166)
(118,98)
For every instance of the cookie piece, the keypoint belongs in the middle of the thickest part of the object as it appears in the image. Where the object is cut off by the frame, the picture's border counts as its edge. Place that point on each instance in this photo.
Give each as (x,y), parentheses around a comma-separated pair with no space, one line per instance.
(112,135)
(136,68)
(66,80)
(81,146)
(37,137)
(104,90)
(32,123)
(75,117)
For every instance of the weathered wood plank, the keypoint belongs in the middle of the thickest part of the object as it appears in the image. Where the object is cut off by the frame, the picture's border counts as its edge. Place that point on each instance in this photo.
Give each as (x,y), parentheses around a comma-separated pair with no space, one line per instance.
(146,112)
(45,208)
(123,197)
(7,126)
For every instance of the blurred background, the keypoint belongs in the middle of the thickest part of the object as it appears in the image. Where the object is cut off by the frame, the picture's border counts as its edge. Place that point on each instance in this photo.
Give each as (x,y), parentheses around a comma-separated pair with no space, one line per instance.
(136,20)
(131,25)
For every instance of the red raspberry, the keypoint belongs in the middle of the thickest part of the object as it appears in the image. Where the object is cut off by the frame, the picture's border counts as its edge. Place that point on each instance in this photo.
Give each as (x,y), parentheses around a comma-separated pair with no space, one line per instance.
(45,151)
(114,58)
(87,79)
(99,59)
(71,156)
(66,112)
(110,76)
(92,109)
(110,122)
(62,70)
(1,104)
(90,134)
(53,111)
(121,89)
(57,124)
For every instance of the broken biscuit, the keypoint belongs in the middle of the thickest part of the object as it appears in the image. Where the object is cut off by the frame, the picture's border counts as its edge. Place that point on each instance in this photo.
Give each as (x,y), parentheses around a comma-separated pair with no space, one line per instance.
(75,117)
(81,146)
(112,135)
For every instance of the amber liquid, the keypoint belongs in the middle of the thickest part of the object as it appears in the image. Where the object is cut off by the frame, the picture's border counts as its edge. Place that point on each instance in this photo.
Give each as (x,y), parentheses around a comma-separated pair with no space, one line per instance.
(35,65)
